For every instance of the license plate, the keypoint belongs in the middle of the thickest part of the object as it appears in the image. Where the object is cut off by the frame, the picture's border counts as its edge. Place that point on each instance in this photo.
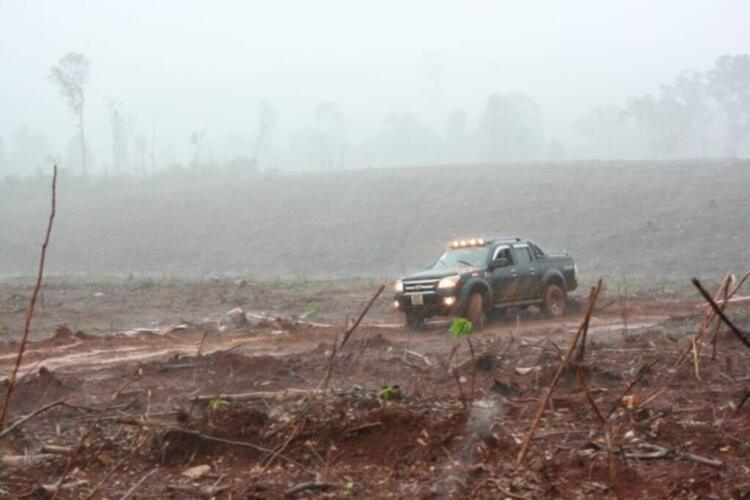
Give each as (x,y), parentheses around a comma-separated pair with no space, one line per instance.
(417,299)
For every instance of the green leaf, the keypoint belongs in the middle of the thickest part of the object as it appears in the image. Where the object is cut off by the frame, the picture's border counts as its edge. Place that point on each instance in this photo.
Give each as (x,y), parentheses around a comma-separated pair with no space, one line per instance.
(217,403)
(461,327)
(387,392)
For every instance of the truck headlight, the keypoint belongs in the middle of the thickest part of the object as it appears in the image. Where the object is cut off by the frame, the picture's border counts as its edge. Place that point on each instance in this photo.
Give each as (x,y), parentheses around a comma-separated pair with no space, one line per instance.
(449,282)
(399,286)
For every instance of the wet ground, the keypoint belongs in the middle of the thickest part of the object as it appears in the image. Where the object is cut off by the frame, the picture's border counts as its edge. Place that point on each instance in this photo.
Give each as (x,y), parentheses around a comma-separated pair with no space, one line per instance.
(188,407)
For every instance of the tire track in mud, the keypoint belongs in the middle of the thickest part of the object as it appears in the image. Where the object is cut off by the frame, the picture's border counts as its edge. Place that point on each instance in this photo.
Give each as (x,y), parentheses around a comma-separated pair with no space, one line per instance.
(93,356)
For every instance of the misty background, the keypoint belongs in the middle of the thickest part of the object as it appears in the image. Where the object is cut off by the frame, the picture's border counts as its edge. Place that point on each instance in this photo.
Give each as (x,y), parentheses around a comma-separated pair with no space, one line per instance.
(301,86)
(247,137)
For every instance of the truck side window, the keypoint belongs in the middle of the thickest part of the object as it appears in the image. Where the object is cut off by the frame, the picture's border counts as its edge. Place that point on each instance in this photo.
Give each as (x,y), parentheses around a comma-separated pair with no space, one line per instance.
(503,251)
(537,251)
(522,254)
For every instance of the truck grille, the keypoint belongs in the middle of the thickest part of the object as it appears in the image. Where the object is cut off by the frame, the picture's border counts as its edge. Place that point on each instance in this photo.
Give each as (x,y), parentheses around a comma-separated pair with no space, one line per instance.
(420,285)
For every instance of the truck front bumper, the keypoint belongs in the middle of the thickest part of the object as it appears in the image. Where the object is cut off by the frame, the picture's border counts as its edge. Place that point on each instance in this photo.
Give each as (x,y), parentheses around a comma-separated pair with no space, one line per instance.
(432,303)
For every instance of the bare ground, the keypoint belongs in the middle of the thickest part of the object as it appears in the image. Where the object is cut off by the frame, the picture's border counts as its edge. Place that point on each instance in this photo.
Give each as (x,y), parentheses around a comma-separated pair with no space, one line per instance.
(142,408)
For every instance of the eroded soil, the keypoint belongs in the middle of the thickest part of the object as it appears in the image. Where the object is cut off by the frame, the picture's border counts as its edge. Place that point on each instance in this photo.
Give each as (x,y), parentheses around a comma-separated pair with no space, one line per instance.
(168,408)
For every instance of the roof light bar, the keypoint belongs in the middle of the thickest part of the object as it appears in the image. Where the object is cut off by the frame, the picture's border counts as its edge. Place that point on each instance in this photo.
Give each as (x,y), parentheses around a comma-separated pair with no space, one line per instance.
(468,243)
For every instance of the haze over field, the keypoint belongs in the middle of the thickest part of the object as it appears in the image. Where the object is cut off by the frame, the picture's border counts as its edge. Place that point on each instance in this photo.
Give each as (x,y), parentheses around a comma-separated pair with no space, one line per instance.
(247,137)
(328,85)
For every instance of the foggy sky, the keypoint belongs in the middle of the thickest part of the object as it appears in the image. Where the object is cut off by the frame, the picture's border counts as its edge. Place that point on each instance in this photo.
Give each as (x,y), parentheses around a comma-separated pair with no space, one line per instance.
(176,67)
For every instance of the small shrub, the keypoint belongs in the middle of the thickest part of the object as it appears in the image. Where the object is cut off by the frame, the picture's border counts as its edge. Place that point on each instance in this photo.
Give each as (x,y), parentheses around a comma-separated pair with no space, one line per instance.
(461,327)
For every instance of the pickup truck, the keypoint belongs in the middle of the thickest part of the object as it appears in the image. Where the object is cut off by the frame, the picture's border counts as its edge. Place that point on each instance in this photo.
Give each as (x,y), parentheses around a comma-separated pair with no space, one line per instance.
(474,277)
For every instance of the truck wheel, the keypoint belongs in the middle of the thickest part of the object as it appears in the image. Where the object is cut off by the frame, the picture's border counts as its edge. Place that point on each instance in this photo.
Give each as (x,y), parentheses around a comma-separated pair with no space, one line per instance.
(475,311)
(554,301)
(414,320)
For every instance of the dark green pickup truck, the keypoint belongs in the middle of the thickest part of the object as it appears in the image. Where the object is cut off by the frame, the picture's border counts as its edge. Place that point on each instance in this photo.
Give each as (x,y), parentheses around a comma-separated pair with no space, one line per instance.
(475,276)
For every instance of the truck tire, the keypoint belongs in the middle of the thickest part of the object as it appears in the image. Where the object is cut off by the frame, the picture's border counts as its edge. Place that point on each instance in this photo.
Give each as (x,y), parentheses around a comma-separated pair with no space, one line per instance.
(414,320)
(554,301)
(475,311)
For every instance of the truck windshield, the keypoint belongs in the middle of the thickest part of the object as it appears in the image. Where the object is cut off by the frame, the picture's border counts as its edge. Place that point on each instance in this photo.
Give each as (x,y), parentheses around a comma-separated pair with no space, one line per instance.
(462,257)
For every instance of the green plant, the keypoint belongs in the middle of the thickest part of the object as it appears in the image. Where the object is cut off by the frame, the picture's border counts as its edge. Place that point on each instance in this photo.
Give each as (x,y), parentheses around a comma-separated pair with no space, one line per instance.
(387,392)
(218,403)
(461,327)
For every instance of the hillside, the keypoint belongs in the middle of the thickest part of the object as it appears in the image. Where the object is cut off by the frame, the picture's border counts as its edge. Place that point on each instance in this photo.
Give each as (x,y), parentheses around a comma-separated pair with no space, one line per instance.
(617,218)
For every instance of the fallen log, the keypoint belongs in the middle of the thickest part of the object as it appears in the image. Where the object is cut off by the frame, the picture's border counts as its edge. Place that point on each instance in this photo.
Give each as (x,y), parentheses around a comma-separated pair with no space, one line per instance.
(285,395)
(24,460)
(56,449)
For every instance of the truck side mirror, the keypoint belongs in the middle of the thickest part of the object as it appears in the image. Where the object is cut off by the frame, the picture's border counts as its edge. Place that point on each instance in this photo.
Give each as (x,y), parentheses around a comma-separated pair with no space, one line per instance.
(500,262)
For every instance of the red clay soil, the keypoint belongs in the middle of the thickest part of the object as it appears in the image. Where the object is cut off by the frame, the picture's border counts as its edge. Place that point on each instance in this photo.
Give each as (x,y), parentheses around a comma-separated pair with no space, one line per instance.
(141,412)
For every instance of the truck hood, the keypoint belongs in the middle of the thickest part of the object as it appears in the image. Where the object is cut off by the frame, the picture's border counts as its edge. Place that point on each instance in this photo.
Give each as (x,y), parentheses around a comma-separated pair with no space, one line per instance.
(437,274)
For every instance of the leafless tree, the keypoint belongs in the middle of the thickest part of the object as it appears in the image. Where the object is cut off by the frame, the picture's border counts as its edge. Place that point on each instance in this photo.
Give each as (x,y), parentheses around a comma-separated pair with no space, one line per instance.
(70,75)
(729,83)
(267,118)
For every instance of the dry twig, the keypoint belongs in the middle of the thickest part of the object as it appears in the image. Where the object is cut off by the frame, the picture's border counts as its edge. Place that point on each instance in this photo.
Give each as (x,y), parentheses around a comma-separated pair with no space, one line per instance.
(545,402)
(28,417)
(739,333)
(30,311)
(613,475)
(329,372)
(137,485)
(641,373)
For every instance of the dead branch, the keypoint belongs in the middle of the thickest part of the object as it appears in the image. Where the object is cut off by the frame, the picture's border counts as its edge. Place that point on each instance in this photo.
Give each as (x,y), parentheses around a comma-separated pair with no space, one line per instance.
(86,434)
(107,475)
(742,401)
(498,486)
(23,460)
(736,300)
(460,391)
(30,311)
(561,367)
(701,460)
(28,417)
(473,370)
(613,475)
(696,367)
(420,356)
(658,452)
(56,449)
(717,330)
(641,373)
(137,485)
(331,360)
(739,333)
(708,317)
(285,395)
(242,444)
(350,331)
(308,486)
(594,293)
(51,488)
(323,386)
(270,459)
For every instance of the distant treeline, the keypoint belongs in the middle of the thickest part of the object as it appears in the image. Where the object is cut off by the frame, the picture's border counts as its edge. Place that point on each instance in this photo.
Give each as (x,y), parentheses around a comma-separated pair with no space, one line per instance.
(699,114)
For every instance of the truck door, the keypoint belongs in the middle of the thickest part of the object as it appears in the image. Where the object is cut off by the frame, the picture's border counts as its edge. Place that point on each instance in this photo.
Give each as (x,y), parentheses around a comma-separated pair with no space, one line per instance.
(528,276)
(505,282)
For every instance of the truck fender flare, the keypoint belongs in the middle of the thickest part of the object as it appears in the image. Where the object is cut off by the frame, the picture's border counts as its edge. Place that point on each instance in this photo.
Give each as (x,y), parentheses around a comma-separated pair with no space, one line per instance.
(554,275)
(472,285)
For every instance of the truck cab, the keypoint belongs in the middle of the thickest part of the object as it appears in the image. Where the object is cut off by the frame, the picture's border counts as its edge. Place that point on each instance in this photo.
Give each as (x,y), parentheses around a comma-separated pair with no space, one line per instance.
(475,276)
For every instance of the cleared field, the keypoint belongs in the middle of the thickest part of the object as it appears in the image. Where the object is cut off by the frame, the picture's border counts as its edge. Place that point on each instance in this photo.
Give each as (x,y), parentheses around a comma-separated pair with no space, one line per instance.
(196,411)
(630,219)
